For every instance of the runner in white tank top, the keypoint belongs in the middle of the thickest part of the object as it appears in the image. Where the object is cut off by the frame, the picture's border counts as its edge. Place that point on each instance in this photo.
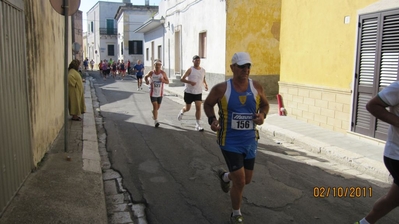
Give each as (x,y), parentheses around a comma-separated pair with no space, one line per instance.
(195,81)
(156,84)
(158,79)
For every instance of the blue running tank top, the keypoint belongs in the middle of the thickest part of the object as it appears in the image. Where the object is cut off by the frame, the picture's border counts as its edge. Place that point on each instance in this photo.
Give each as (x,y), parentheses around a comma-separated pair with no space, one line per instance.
(236,112)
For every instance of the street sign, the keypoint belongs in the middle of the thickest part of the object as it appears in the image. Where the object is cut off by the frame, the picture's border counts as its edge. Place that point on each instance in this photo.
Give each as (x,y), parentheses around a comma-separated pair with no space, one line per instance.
(58,6)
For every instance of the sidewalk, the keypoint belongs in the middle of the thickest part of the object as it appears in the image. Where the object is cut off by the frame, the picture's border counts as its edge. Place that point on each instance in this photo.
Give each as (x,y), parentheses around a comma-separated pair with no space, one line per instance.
(362,153)
(62,191)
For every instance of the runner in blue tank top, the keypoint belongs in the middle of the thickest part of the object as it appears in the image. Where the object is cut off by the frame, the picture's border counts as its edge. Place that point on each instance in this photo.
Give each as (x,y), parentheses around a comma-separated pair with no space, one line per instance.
(242,105)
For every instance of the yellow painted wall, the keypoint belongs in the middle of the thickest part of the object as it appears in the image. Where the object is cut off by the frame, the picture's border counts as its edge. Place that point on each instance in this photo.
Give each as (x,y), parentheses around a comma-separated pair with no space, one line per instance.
(317,47)
(45,66)
(254,26)
(318,56)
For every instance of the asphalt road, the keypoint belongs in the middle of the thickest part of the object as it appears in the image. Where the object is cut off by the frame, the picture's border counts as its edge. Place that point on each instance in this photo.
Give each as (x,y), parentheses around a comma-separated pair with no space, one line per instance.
(171,169)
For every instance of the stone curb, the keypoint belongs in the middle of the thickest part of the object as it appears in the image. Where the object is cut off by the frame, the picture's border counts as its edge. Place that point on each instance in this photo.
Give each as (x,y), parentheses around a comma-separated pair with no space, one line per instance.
(119,204)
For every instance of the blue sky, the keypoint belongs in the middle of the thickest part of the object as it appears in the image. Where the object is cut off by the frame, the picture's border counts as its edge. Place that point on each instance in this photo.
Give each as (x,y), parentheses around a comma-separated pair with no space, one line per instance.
(86,5)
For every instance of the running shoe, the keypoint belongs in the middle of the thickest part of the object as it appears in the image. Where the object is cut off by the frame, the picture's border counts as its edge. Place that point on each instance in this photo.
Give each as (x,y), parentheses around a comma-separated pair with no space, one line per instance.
(224,185)
(238,219)
(156,123)
(180,116)
(199,128)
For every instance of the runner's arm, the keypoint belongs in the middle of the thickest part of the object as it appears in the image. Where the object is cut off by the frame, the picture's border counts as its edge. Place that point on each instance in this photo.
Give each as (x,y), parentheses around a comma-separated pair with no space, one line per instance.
(184,78)
(213,98)
(165,78)
(263,105)
(377,107)
(147,76)
(205,84)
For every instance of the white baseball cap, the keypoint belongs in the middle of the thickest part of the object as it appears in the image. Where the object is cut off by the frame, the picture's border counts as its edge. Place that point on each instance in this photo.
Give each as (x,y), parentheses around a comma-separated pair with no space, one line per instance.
(241,58)
(157,61)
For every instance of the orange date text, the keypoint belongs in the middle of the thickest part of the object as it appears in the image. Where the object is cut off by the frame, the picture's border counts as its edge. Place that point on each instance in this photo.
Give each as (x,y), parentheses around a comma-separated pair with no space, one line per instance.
(342,192)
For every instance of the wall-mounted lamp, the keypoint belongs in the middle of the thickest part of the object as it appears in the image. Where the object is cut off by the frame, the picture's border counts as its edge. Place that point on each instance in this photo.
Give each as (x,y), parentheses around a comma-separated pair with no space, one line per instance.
(162,21)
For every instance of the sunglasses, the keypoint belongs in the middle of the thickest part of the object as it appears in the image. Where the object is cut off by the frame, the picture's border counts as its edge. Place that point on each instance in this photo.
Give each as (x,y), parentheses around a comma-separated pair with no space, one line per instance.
(244,66)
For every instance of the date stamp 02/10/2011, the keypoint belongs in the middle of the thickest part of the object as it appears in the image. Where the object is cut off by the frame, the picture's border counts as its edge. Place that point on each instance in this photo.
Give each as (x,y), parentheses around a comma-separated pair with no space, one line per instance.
(342,192)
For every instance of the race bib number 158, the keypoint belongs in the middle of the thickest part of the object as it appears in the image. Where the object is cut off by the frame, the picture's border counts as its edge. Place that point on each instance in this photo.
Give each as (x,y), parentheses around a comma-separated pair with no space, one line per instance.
(242,121)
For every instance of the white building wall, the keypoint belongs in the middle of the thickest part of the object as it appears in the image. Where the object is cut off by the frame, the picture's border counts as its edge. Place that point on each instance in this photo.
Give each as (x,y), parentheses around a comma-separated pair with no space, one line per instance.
(121,37)
(97,43)
(152,40)
(127,23)
(192,17)
(92,42)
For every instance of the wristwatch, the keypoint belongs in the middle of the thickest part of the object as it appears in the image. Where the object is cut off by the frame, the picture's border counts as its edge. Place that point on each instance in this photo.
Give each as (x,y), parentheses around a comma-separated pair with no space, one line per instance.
(210,119)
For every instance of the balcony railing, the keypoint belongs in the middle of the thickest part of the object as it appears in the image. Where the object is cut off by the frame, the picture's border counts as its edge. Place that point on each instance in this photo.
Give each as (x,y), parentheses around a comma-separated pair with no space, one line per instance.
(108,31)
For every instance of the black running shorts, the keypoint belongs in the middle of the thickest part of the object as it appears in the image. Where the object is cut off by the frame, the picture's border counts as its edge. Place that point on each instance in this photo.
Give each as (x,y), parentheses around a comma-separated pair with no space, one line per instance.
(236,161)
(393,168)
(156,99)
(189,97)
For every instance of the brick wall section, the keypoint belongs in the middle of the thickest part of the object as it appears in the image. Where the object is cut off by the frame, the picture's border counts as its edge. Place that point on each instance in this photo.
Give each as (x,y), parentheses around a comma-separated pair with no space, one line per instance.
(325,107)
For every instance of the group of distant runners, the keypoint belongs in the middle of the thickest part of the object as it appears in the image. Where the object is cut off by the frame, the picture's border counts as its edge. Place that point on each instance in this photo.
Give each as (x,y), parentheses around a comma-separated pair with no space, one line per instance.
(114,68)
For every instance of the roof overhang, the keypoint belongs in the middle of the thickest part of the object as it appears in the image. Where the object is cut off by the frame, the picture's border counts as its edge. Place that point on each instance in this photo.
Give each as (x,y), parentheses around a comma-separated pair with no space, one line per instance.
(149,25)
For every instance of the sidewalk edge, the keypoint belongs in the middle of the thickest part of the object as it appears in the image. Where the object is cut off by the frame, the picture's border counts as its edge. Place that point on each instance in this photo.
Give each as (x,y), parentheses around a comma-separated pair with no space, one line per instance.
(91,155)
(354,160)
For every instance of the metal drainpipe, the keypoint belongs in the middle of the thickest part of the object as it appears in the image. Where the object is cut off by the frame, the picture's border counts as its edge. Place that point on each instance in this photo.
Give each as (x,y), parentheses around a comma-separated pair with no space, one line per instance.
(163,45)
(169,55)
(66,45)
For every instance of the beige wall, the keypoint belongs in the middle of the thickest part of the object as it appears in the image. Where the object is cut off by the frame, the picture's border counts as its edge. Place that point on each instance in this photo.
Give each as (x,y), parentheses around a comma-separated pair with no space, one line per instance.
(45,64)
(254,26)
(324,107)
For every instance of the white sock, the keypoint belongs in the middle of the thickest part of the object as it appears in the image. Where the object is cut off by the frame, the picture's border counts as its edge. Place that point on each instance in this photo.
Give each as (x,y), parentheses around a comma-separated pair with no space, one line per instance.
(363,221)
(181,111)
(236,212)
(226,177)
(197,122)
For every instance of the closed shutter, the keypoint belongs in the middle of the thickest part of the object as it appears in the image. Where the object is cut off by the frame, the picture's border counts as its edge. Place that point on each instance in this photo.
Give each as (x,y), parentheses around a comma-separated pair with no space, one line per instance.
(377,67)
(110,26)
(388,72)
(16,160)
(367,57)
